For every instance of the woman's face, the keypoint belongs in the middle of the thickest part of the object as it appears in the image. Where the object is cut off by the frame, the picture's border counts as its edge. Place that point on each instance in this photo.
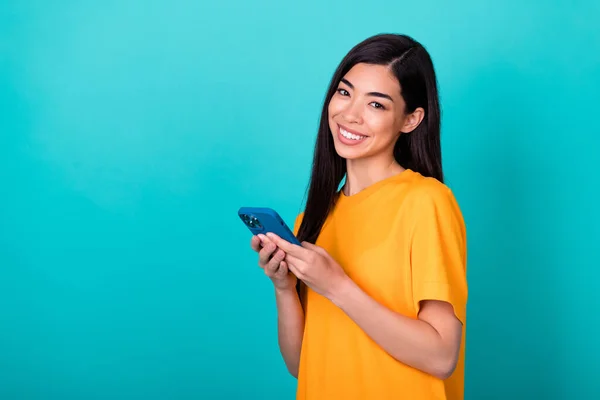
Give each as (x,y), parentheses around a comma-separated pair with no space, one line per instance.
(366,113)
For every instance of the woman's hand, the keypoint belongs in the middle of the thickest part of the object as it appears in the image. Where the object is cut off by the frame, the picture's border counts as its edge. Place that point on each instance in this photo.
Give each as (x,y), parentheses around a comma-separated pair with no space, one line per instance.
(271,260)
(313,265)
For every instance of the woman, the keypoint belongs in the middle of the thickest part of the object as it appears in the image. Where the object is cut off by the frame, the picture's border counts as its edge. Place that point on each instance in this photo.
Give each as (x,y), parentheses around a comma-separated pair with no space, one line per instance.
(373,304)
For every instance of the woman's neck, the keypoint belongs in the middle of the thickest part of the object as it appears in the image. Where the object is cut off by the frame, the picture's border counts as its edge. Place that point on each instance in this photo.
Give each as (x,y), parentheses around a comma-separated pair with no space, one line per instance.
(363,173)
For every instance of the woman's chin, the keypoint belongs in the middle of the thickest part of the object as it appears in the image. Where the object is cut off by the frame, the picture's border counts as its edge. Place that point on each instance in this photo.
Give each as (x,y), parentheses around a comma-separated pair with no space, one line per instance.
(349,154)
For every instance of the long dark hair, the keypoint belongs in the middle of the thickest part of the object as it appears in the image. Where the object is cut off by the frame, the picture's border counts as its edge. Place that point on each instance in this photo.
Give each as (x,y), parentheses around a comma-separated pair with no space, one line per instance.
(418,150)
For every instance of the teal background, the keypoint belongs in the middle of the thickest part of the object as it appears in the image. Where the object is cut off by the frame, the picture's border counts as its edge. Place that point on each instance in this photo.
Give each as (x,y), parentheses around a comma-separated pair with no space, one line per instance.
(131,131)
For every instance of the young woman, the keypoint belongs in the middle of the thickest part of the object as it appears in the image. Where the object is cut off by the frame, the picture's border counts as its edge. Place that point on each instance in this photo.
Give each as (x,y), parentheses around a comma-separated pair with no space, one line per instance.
(373,304)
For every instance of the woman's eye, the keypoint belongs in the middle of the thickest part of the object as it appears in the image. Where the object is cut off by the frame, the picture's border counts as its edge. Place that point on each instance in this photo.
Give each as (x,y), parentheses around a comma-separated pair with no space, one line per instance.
(343,92)
(378,105)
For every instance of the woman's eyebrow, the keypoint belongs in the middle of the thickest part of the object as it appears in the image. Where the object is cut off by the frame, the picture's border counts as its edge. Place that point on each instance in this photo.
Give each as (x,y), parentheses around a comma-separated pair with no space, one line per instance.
(374,94)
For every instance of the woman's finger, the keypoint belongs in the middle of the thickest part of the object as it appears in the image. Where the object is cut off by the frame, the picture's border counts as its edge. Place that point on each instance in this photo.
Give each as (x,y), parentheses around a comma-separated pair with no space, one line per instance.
(294,261)
(264,239)
(293,269)
(288,247)
(313,247)
(255,243)
(273,265)
(282,271)
(265,254)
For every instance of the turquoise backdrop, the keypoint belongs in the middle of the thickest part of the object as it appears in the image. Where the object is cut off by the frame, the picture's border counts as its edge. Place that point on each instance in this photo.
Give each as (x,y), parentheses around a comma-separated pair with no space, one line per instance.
(131,131)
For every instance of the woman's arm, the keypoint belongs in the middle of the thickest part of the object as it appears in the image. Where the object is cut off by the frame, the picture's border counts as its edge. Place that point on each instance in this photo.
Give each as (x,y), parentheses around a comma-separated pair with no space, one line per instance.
(430,343)
(290,327)
(290,315)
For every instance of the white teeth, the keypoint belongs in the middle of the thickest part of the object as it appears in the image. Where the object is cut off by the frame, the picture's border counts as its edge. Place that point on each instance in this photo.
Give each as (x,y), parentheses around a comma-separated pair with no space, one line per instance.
(349,135)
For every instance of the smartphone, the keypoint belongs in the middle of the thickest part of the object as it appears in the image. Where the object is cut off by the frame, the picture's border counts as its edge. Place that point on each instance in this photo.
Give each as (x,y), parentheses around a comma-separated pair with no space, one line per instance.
(263,220)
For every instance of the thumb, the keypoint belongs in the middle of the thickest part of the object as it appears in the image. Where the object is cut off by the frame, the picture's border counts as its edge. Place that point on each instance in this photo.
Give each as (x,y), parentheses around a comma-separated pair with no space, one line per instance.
(314,247)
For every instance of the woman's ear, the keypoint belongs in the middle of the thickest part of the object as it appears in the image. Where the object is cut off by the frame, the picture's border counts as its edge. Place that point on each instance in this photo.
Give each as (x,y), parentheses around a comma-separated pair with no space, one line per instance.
(413,120)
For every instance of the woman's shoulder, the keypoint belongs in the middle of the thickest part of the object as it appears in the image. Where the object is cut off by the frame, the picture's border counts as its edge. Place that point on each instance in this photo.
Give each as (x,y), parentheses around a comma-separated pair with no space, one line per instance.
(424,192)
(426,186)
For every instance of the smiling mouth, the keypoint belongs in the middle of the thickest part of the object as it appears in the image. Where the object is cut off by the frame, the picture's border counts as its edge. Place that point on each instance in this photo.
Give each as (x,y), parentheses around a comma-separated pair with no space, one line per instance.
(351,136)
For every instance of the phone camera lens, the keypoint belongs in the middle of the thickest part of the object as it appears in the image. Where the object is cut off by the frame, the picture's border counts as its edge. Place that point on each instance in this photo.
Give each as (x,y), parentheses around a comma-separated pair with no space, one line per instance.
(255,223)
(246,219)
(251,221)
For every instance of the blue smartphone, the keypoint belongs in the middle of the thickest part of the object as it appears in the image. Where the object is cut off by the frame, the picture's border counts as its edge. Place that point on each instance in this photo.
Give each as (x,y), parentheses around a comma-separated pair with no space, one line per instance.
(263,220)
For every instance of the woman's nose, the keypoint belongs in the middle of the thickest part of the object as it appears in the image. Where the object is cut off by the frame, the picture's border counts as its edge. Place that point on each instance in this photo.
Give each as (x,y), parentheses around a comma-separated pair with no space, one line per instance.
(352,113)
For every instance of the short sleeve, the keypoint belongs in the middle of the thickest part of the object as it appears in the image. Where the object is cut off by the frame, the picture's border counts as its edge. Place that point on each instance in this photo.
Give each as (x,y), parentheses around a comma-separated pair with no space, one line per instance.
(438,250)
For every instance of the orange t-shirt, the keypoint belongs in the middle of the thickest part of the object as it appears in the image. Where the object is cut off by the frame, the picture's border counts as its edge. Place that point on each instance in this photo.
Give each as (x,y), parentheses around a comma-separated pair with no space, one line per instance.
(402,240)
